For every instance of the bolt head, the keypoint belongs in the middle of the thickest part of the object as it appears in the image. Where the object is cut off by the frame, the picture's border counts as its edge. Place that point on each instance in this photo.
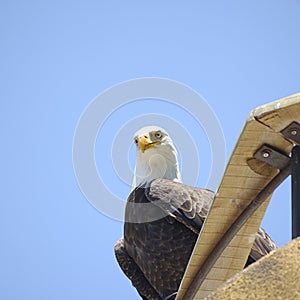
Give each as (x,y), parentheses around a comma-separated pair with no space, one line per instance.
(294,132)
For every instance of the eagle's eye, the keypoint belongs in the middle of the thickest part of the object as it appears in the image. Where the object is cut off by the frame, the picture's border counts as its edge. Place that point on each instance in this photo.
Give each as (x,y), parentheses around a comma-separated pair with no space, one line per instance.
(158,134)
(136,141)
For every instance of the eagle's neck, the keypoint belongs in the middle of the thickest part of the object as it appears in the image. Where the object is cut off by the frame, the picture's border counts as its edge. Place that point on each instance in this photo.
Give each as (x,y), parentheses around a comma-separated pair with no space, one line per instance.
(152,165)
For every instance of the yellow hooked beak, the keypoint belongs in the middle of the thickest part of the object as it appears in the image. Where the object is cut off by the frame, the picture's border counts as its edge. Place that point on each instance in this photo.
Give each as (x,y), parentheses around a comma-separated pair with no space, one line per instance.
(145,143)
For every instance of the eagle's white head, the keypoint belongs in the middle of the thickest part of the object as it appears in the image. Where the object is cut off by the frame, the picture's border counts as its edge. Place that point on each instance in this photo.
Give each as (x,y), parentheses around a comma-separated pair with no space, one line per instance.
(156,156)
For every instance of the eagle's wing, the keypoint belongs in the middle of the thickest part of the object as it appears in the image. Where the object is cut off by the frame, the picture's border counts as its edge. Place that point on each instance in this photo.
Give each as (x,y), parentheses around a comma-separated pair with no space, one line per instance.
(134,273)
(190,206)
(262,245)
(186,204)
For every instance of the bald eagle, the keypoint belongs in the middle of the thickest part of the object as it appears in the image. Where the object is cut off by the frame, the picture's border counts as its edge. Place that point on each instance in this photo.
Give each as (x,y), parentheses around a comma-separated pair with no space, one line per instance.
(163,218)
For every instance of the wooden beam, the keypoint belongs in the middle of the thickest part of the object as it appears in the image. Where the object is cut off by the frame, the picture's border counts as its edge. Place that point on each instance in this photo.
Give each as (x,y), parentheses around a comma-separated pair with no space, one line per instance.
(243,180)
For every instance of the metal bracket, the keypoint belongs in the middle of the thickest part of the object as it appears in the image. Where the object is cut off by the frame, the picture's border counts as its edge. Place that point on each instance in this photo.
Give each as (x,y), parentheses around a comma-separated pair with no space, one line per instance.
(292,132)
(272,157)
(295,192)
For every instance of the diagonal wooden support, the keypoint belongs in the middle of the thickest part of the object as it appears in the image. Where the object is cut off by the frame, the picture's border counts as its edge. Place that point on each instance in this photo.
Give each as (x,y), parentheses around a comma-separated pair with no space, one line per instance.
(234,229)
(245,177)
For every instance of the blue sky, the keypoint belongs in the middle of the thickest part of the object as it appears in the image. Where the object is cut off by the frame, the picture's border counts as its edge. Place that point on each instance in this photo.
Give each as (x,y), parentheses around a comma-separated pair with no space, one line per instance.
(56,57)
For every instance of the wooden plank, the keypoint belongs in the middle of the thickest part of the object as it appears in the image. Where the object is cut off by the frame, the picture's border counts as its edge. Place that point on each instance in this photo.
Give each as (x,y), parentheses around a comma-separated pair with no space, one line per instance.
(239,186)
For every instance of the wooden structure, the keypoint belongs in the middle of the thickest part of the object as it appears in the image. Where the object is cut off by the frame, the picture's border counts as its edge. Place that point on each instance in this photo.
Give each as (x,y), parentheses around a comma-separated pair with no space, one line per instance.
(261,152)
